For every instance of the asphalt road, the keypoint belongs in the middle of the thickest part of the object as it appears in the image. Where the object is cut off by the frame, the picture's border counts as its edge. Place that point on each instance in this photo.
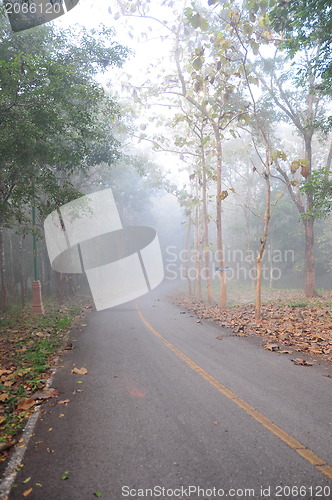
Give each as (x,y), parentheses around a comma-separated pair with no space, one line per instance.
(166,404)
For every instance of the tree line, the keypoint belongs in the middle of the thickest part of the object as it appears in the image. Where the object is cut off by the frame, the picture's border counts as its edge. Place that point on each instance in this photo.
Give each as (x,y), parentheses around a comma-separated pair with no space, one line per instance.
(240,70)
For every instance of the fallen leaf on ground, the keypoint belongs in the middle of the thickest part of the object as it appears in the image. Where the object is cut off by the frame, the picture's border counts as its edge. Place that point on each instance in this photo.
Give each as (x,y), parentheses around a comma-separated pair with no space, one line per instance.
(98,494)
(27,480)
(65,475)
(80,371)
(45,394)
(8,444)
(26,404)
(302,362)
(63,401)
(306,327)
(39,334)
(3,397)
(271,347)
(27,492)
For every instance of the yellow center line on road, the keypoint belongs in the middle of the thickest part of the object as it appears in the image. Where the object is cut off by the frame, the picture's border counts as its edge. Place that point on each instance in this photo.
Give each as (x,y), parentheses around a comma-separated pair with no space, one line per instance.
(293,443)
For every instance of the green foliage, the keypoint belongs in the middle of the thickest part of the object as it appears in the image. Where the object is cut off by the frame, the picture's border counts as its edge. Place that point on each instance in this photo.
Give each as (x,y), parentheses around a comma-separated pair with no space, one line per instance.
(319,188)
(306,23)
(54,116)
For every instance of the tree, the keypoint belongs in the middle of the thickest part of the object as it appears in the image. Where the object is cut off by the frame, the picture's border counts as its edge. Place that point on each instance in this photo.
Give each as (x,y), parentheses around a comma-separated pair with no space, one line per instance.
(319,188)
(302,104)
(218,57)
(54,116)
(306,24)
(295,90)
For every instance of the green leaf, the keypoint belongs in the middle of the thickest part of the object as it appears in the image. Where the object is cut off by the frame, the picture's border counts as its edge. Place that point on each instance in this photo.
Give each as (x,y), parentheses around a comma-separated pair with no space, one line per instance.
(199,85)
(204,25)
(254,46)
(278,154)
(98,494)
(198,63)
(65,475)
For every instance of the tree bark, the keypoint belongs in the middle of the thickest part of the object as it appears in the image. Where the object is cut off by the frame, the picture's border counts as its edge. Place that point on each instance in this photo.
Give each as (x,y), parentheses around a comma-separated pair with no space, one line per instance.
(310,285)
(310,288)
(4,287)
(263,240)
(190,291)
(21,271)
(198,266)
(206,246)
(220,253)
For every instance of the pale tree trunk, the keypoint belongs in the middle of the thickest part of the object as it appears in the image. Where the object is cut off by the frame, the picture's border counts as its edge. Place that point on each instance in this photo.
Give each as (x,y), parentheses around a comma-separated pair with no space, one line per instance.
(11,268)
(310,288)
(190,291)
(220,259)
(21,270)
(263,239)
(4,287)
(310,285)
(198,266)
(329,158)
(206,252)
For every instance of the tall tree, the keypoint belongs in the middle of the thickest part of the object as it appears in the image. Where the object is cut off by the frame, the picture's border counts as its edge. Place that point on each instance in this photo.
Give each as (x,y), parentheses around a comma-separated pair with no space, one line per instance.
(306,24)
(51,113)
(302,104)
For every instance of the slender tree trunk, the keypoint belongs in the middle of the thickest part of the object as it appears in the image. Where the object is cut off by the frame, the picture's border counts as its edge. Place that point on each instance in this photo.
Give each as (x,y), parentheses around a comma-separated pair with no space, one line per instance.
(198,281)
(21,270)
(11,268)
(310,285)
(190,291)
(310,288)
(4,287)
(220,252)
(329,158)
(263,239)
(61,285)
(206,245)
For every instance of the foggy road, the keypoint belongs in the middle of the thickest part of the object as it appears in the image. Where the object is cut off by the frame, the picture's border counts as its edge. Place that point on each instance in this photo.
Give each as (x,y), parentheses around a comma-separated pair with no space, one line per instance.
(168,410)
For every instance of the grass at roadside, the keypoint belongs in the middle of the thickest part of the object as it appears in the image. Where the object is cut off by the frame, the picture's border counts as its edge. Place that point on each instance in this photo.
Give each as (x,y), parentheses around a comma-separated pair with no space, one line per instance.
(29,344)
